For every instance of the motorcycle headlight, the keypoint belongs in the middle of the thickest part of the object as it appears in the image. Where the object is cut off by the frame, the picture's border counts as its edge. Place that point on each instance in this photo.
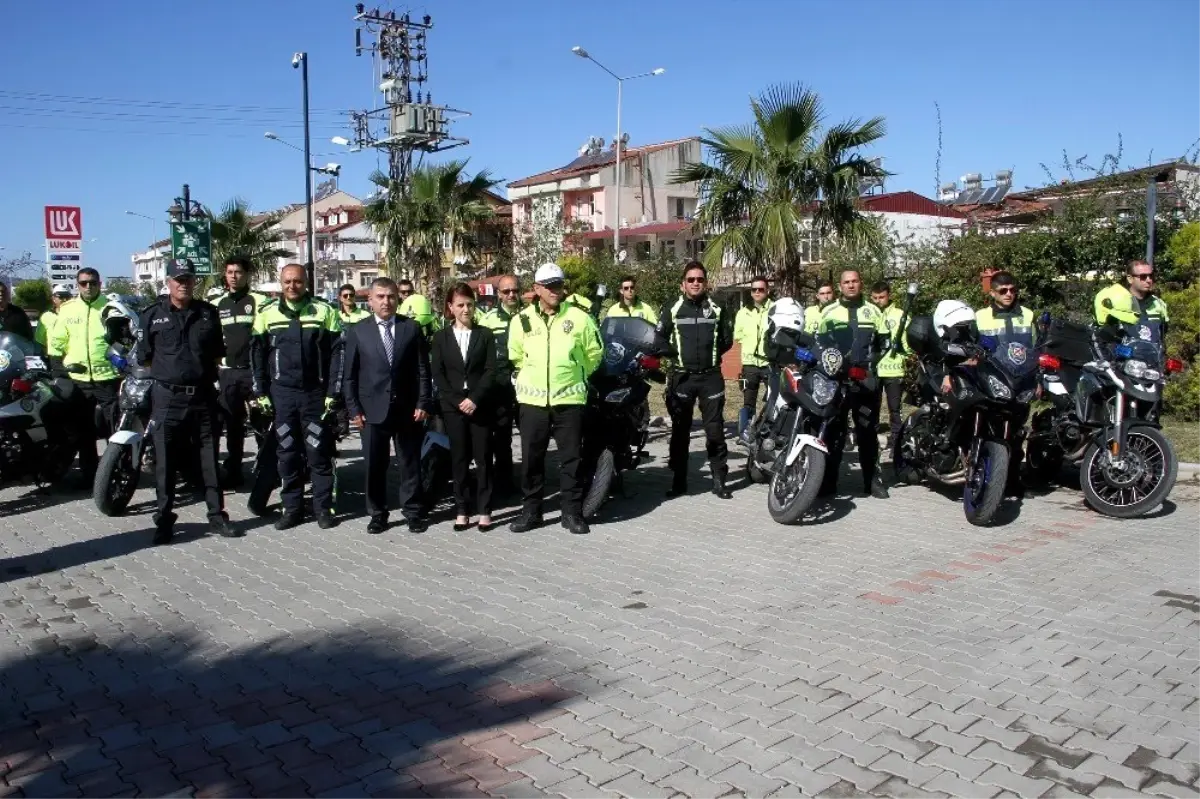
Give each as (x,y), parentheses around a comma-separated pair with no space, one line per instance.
(617,396)
(1026,396)
(997,388)
(1152,375)
(1136,369)
(135,391)
(823,389)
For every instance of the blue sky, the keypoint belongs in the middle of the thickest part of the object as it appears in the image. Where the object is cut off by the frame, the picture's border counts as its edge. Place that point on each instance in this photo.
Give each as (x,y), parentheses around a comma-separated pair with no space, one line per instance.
(193,86)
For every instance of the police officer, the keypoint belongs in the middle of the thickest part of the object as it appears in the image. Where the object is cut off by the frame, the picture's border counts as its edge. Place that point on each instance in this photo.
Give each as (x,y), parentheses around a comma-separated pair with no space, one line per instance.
(78,343)
(180,341)
(859,331)
(237,307)
(812,314)
(1133,308)
(498,321)
(418,308)
(750,330)
(695,332)
(59,293)
(554,347)
(628,304)
(891,366)
(348,310)
(1011,324)
(296,354)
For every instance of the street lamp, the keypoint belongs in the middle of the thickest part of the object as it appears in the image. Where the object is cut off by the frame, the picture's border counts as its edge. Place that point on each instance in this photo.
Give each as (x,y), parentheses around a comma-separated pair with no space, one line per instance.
(300,61)
(579,51)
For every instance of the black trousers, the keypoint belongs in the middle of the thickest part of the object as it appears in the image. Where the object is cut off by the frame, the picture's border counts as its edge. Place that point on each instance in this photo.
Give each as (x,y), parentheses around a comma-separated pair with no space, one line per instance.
(752,378)
(502,434)
(398,430)
(893,390)
(235,394)
(565,424)
(180,422)
(100,399)
(684,391)
(470,439)
(300,430)
(862,405)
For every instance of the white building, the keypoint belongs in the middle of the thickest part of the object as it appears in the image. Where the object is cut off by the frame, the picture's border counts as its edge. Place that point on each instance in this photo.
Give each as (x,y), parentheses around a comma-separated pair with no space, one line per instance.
(150,265)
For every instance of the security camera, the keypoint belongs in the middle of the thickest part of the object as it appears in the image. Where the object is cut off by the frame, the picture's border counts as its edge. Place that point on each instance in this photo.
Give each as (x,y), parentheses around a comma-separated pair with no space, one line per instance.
(296,59)
(333,169)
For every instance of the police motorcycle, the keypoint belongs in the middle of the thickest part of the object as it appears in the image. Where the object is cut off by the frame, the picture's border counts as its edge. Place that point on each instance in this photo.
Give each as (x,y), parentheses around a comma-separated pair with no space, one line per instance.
(129,447)
(38,438)
(961,438)
(1105,399)
(617,418)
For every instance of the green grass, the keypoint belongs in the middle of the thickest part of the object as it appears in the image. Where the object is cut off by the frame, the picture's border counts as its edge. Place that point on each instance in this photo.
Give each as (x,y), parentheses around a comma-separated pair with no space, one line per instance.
(1186,438)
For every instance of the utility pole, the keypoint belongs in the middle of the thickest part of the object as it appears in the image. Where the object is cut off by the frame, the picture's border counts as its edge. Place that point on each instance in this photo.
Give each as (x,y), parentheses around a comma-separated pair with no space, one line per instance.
(409,121)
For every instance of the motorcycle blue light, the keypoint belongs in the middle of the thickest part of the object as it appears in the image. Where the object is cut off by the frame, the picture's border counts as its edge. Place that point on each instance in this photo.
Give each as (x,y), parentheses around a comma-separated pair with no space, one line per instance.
(988,343)
(118,362)
(804,356)
(1122,350)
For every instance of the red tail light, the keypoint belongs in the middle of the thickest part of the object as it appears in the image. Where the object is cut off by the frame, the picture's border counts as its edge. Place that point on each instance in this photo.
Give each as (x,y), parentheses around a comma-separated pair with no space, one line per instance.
(1174,365)
(793,380)
(858,373)
(649,361)
(20,385)
(1049,362)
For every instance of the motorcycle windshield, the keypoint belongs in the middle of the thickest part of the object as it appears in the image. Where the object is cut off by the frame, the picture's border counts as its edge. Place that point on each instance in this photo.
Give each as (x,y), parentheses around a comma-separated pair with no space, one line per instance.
(13,351)
(1149,352)
(624,337)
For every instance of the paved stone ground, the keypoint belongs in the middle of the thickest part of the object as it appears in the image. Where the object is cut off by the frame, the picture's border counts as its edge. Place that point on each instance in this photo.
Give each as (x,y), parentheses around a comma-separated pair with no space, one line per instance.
(685,648)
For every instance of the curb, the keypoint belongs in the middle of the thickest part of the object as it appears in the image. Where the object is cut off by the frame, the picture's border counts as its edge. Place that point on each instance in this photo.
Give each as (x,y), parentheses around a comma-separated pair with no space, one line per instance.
(1191,468)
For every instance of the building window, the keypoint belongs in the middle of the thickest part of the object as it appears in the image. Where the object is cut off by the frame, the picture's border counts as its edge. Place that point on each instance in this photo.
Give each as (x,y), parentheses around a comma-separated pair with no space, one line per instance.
(679,210)
(365,279)
(667,247)
(642,249)
(698,247)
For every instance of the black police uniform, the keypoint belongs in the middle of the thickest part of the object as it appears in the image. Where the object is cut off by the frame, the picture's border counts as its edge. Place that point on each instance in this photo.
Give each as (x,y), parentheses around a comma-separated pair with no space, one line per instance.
(696,333)
(237,310)
(506,402)
(182,347)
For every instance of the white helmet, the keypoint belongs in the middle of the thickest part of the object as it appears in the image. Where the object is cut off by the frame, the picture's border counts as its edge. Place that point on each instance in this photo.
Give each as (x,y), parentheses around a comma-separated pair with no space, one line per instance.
(951,313)
(62,289)
(215,293)
(786,314)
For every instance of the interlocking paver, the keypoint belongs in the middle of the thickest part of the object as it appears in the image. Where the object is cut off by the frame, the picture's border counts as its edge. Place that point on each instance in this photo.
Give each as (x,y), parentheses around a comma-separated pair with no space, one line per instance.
(310,663)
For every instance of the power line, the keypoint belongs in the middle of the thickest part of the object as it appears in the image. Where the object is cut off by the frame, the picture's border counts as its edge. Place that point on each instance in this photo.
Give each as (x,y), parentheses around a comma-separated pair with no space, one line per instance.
(63,98)
(107,116)
(135,131)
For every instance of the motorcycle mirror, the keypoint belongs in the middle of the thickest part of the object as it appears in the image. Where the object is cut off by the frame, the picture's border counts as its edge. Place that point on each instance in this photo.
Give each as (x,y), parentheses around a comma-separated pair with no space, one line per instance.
(1045,317)
(912,288)
(602,290)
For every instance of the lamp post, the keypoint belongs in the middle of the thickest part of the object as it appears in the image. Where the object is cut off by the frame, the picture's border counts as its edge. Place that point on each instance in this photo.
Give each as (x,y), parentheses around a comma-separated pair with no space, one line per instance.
(300,62)
(579,51)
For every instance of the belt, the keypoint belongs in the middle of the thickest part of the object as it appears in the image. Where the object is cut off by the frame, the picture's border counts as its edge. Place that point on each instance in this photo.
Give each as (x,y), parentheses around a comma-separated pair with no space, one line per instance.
(185,390)
(696,372)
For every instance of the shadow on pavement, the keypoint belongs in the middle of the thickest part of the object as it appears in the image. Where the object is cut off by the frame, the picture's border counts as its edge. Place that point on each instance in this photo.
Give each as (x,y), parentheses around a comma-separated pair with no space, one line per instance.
(78,553)
(356,710)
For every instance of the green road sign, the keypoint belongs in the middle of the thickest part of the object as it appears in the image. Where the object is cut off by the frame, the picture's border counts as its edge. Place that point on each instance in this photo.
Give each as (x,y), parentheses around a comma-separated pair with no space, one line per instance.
(193,240)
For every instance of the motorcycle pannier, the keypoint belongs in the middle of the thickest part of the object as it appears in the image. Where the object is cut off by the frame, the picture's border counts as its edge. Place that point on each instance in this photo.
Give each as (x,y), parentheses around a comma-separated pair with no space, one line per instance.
(1070,341)
(921,337)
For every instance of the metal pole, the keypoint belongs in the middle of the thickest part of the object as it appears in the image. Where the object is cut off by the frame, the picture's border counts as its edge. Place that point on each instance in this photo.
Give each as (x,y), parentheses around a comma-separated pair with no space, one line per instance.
(309,265)
(187,203)
(617,220)
(1151,211)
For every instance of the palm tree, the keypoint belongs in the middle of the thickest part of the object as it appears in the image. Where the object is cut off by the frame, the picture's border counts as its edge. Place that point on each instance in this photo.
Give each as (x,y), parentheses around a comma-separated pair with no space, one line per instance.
(236,231)
(443,207)
(772,183)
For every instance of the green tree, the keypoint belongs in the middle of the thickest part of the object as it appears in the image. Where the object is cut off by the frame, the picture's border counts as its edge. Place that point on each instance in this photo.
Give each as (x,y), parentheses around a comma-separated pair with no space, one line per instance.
(236,231)
(1184,252)
(769,184)
(443,206)
(32,295)
(120,285)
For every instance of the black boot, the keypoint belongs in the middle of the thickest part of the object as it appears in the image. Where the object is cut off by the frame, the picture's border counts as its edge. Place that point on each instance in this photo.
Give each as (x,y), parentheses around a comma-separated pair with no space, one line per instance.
(720,475)
(875,487)
(679,486)
(528,520)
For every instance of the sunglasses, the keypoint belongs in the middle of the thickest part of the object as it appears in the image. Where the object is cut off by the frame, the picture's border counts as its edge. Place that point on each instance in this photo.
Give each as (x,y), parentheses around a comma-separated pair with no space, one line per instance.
(758,289)
(626,288)
(508,291)
(693,280)
(347,296)
(89,282)
(1144,276)
(1005,290)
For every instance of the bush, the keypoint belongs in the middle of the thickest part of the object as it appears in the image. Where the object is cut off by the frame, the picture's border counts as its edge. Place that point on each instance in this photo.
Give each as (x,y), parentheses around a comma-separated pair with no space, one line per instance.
(1181,398)
(32,295)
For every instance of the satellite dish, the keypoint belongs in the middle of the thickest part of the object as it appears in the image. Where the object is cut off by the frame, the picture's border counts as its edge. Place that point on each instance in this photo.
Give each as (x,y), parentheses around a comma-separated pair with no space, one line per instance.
(622,255)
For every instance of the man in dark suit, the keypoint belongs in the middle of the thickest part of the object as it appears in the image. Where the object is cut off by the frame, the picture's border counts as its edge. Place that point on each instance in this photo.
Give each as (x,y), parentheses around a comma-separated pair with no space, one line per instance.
(388,395)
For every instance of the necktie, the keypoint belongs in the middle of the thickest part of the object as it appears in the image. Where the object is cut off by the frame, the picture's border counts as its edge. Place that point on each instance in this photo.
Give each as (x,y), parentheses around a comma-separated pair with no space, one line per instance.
(389,344)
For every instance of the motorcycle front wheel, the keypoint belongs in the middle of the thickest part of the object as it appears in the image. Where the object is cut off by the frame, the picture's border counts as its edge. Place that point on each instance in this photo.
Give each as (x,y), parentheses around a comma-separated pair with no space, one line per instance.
(984,488)
(597,492)
(1147,474)
(794,488)
(116,479)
